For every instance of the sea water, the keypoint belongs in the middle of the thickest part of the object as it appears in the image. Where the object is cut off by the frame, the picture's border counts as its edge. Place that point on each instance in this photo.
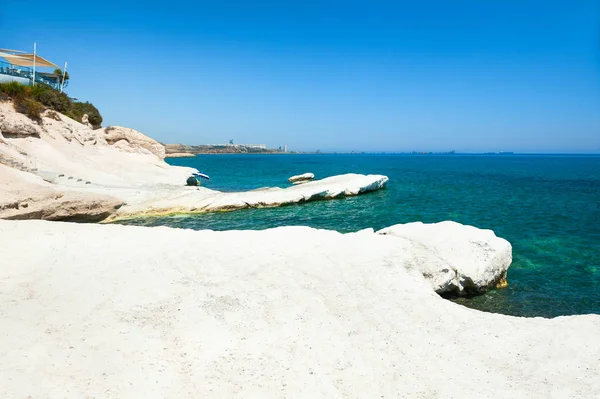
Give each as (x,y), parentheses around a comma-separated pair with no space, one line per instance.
(547,206)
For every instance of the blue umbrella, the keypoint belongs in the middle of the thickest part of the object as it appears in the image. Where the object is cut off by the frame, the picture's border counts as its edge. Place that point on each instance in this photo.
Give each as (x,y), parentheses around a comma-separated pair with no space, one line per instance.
(202,175)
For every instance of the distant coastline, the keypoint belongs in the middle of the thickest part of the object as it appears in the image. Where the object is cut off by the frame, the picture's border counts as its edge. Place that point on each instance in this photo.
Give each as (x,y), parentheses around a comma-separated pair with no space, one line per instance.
(183,150)
(177,150)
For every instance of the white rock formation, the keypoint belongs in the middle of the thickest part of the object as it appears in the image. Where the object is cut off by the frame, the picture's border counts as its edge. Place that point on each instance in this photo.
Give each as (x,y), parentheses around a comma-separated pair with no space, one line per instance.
(129,312)
(125,165)
(456,258)
(301,178)
(85,120)
(165,200)
(13,125)
(133,141)
(26,196)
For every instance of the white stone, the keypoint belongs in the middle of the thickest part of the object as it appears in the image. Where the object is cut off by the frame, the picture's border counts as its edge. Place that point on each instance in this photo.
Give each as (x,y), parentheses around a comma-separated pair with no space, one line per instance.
(301,178)
(133,141)
(456,258)
(130,312)
(85,120)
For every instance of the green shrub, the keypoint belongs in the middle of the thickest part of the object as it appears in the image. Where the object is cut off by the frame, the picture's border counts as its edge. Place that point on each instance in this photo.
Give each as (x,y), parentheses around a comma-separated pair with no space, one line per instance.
(31,108)
(31,101)
(23,99)
(14,90)
(80,109)
(55,100)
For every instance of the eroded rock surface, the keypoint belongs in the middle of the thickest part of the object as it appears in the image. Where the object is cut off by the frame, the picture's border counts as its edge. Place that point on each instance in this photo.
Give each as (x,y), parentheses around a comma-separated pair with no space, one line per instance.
(455,258)
(129,312)
(162,201)
(25,196)
(131,140)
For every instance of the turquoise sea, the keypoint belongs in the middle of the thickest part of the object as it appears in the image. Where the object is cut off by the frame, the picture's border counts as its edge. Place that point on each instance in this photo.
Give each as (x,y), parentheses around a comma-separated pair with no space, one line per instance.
(547,206)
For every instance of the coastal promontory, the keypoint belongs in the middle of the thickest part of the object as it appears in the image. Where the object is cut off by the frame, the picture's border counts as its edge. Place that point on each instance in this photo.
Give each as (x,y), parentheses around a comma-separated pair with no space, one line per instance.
(118,172)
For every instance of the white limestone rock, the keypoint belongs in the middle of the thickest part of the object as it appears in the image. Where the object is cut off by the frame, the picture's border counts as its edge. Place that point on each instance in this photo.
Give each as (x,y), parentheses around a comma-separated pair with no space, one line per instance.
(200,199)
(85,120)
(301,178)
(133,312)
(455,258)
(26,196)
(133,141)
(13,124)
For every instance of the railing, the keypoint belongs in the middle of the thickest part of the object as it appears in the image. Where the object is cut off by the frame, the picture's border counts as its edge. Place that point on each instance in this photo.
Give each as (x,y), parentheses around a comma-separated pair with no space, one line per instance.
(27,73)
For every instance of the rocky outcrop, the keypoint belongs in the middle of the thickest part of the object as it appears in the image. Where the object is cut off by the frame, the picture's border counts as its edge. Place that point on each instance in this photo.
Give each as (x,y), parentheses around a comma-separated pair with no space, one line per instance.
(303,178)
(454,258)
(66,206)
(17,127)
(61,145)
(25,196)
(196,200)
(124,164)
(129,312)
(85,119)
(131,140)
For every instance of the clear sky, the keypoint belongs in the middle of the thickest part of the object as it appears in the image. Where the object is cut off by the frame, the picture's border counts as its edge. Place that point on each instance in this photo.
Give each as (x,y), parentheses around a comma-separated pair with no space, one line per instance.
(331,75)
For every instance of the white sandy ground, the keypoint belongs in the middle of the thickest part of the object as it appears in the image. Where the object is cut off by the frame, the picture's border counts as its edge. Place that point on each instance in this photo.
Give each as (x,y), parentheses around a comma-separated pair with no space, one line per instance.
(111,311)
(121,164)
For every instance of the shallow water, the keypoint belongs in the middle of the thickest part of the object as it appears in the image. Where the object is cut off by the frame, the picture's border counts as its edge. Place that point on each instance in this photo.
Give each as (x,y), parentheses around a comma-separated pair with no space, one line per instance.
(548,207)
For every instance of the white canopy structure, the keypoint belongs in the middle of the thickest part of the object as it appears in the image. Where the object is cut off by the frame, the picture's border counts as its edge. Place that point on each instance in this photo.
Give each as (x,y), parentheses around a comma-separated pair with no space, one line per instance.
(11,51)
(29,60)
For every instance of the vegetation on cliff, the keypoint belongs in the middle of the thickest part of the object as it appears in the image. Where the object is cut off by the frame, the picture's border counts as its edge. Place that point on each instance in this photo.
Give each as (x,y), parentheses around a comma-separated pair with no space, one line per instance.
(32,100)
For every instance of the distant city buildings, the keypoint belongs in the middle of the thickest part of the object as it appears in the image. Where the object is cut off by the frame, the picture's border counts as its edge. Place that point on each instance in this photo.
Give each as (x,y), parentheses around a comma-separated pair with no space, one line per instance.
(230,144)
(283,148)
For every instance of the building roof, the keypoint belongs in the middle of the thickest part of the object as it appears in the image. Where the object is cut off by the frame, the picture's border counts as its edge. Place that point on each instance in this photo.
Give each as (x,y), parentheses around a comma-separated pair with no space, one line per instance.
(26,59)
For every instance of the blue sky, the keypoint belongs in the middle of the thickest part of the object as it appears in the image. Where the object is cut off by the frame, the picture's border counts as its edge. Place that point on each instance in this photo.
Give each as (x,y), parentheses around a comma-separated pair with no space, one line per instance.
(340,75)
